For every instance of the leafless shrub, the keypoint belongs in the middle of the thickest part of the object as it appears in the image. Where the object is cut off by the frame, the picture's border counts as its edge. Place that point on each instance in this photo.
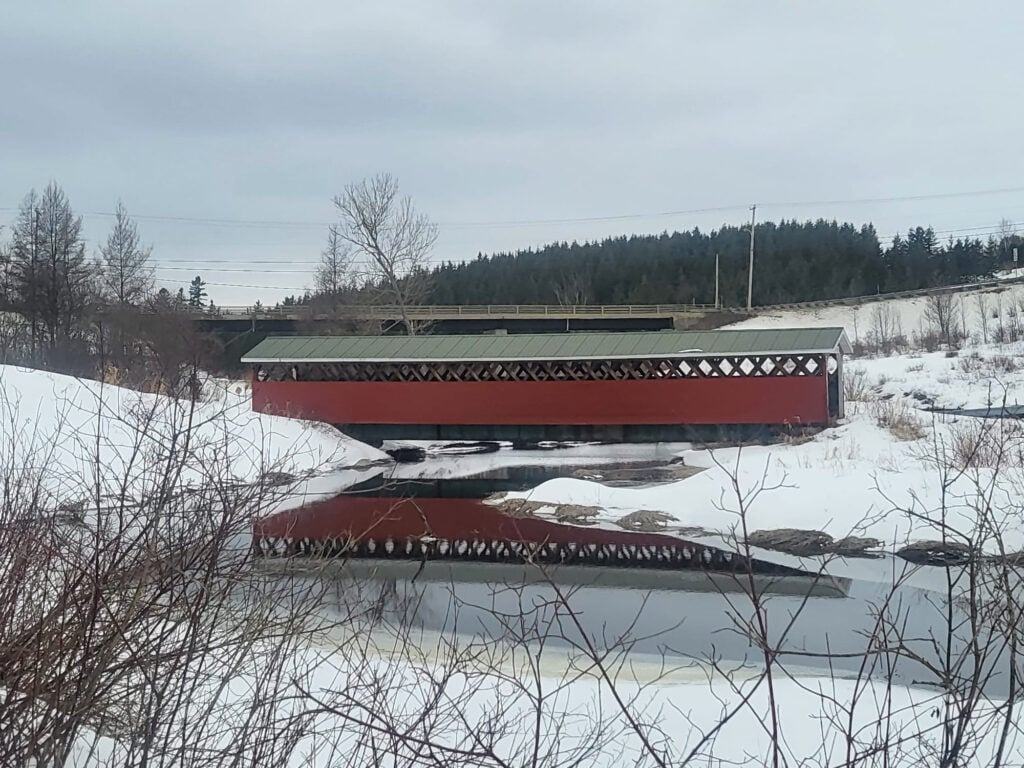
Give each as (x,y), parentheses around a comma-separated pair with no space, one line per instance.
(1004,363)
(981,305)
(855,384)
(928,340)
(971,363)
(942,317)
(894,415)
(986,443)
(885,335)
(131,617)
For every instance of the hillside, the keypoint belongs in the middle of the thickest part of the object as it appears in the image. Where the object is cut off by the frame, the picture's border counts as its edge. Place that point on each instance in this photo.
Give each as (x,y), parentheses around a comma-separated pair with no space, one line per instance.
(795,261)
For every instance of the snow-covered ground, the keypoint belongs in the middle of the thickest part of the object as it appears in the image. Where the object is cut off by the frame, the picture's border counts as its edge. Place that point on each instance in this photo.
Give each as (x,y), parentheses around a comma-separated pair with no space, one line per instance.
(857,478)
(74,433)
(853,480)
(907,314)
(860,478)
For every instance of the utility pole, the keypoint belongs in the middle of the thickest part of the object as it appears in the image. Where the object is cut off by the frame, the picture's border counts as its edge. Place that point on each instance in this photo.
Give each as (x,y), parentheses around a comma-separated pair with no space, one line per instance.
(717,304)
(750,269)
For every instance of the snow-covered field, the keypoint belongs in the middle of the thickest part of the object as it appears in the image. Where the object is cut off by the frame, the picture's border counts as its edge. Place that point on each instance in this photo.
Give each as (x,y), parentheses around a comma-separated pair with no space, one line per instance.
(908,313)
(76,433)
(860,478)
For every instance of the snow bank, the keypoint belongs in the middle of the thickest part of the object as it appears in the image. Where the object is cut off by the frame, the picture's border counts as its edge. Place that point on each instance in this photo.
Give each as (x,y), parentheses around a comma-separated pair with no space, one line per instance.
(819,718)
(72,432)
(855,479)
(909,313)
(976,377)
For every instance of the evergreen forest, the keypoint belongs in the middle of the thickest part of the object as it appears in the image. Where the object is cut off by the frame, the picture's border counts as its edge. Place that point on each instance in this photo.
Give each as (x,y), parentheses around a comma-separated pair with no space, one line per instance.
(794,261)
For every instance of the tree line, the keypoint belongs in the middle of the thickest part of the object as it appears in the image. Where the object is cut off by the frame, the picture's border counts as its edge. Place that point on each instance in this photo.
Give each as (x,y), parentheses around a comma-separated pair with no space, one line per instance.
(794,261)
(379,252)
(64,310)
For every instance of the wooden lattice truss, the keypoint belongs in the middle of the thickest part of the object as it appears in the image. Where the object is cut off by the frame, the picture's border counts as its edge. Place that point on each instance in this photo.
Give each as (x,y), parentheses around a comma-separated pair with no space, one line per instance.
(790,364)
(680,555)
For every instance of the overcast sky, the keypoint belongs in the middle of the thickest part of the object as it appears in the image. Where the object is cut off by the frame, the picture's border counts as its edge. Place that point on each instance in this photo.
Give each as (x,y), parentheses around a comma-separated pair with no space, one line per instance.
(491,112)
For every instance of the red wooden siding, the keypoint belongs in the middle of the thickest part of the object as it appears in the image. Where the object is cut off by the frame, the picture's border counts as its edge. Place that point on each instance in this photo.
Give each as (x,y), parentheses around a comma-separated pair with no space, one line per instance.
(711,400)
(358,519)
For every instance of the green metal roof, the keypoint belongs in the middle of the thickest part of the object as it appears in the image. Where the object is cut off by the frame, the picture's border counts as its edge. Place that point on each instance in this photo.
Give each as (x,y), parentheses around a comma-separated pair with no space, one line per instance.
(545,346)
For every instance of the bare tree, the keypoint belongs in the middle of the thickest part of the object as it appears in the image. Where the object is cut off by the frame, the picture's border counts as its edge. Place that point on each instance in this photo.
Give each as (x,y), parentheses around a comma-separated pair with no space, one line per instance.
(981,305)
(332,276)
(66,277)
(392,241)
(572,289)
(886,332)
(941,316)
(26,269)
(127,276)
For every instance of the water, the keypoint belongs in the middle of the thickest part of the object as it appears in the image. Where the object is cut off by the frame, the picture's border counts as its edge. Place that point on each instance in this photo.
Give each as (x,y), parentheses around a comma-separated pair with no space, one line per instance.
(683,611)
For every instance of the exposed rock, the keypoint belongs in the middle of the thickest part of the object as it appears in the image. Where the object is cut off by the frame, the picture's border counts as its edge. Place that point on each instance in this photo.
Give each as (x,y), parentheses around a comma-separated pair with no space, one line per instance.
(407,455)
(645,520)
(277,479)
(637,472)
(935,553)
(854,546)
(576,514)
(922,397)
(792,541)
(516,507)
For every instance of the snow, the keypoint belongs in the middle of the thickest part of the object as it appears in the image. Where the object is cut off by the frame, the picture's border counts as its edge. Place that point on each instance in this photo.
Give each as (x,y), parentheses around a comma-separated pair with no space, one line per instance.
(857,478)
(980,376)
(909,313)
(75,433)
(851,480)
(580,715)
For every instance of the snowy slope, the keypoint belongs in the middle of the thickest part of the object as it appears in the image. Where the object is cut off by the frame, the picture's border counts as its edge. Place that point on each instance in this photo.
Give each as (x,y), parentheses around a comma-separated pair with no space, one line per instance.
(857,320)
(858,478)
(851,480)
(66,430)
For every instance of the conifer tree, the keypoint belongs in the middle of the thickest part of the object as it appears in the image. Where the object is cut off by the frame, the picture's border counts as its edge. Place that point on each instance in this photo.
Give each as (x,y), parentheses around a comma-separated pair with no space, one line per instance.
(197,292)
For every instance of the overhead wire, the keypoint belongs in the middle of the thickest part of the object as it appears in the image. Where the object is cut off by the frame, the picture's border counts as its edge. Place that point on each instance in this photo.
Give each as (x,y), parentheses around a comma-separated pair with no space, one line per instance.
(292,224)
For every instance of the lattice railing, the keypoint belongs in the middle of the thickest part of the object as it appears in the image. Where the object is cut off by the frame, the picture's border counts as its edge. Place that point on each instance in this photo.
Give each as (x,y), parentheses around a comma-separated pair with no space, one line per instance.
(789,364)
(681,555)
(677,555)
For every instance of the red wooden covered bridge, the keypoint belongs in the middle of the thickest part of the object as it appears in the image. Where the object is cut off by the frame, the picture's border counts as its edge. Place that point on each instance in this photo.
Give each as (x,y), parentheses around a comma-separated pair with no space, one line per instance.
(583,386)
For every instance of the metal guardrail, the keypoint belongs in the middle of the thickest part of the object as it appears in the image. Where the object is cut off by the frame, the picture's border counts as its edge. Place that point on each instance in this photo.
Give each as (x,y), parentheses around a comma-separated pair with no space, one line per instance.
(453,311)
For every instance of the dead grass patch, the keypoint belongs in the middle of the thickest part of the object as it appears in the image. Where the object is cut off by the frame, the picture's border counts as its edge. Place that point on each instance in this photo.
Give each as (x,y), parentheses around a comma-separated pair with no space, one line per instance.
(855,385)
(647,520)
(987,444)
(516,507)
(576,514)
(898,418)
(1004,363)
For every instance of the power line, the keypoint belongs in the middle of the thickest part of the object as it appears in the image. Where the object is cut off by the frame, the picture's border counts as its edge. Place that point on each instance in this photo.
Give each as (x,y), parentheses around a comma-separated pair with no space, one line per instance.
(899,199)
(237,285)
(287,224)
(247,271)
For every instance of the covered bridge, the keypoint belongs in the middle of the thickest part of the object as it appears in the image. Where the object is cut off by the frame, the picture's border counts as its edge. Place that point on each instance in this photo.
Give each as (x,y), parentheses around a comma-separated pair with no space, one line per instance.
(582,386)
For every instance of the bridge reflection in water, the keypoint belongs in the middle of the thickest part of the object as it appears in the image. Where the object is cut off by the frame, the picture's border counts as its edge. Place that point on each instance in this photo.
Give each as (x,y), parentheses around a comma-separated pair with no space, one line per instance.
(411,527)
(451,566)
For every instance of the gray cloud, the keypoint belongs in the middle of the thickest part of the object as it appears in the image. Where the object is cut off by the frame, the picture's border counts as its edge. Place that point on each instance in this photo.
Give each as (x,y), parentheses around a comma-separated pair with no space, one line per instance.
(487,111)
